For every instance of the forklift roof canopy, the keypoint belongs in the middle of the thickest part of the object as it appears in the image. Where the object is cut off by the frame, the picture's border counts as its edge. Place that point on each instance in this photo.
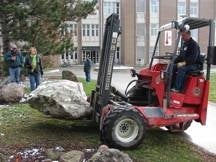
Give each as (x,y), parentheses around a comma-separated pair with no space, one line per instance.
(194,23)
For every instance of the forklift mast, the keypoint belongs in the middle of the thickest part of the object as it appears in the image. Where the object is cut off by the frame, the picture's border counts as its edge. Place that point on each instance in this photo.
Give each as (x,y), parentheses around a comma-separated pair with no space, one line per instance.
(101,95)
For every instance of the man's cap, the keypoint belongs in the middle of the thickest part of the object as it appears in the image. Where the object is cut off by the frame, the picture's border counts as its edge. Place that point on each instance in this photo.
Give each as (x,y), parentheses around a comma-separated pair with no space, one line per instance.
(185,28)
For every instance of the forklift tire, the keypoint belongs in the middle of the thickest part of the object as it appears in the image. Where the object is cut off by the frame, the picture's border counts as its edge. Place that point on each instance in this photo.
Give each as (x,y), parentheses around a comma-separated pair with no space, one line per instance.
(181,127)
(123,127)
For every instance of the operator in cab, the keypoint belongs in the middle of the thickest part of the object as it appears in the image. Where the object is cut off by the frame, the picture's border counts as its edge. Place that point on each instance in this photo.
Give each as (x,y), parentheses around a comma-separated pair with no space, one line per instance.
(188,59)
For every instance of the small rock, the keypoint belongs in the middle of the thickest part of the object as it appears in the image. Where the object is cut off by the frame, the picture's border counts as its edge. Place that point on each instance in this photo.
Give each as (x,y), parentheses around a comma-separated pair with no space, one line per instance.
(105,154)
(69,75)
(53,154)
(72,156)
(11,93)
(103,148)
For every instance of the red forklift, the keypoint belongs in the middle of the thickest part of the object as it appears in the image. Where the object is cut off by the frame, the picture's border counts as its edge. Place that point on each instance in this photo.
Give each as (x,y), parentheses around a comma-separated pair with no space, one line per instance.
(124,118)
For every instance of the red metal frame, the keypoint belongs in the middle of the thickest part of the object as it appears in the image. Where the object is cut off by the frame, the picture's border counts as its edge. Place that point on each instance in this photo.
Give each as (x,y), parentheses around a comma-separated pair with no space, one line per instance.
(186,106)
(191,104)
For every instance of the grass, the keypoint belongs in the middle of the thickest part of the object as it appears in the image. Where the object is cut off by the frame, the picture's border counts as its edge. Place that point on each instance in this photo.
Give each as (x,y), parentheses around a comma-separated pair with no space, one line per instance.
(212,96)
(24,127)
(88,86)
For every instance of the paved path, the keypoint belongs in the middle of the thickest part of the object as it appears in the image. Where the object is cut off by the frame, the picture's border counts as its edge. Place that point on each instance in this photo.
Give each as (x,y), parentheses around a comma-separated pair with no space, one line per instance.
(203,136)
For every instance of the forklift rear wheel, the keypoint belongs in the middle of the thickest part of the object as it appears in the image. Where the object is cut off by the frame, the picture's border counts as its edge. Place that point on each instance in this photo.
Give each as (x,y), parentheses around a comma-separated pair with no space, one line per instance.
(123,127)
(180,127)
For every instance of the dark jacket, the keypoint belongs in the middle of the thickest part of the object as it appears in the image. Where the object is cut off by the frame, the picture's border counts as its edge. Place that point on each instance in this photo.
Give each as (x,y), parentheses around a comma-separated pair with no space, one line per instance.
(189,52)
(87,65)
(19,62)
(28,65)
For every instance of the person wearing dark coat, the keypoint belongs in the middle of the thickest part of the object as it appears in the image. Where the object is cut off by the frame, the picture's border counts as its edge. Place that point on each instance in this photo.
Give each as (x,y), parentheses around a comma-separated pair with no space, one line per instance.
(87,69)
(15,62)
(187,61)
(34,68)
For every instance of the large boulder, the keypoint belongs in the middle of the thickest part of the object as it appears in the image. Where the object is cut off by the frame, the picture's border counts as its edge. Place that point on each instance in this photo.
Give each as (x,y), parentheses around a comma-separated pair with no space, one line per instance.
(60,99)
(69,75)
(11,93)
(105,154)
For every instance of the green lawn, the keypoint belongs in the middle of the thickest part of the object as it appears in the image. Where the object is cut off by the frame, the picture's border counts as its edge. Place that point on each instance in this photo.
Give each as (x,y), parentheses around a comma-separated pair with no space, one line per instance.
(25,127)
(88,86)
(212,96)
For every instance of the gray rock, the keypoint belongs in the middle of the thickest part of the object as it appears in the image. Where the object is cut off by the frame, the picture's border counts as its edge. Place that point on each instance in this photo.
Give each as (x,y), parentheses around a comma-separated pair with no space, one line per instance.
(69,75)
(60,99)
(53,154)
(11,93)
(72,156)
(105,154)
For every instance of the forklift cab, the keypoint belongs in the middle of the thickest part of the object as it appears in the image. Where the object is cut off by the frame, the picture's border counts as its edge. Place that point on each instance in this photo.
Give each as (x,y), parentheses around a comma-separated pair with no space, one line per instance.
(196,88)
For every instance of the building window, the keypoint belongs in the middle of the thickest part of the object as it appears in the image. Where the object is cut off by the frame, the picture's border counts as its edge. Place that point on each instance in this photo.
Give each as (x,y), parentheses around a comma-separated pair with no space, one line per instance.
(118,53)
(69,28)
(118,8)
(154,29)
(72,28)
(84,30)
(111,7)
(75,29)
(194,8)
(154,6)
(194,34)
(75,55)
(140,5)
(140,29)
(93,30)
(181,7)
(88,30)
(97,30)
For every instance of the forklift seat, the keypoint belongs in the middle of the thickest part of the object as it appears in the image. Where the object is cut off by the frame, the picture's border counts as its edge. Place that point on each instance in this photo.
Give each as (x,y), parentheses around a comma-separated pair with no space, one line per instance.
(196,73)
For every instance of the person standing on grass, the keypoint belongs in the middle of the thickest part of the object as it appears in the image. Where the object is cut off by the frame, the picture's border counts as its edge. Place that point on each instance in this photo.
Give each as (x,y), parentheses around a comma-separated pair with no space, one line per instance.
(87,69)
(34,68)
(15,62)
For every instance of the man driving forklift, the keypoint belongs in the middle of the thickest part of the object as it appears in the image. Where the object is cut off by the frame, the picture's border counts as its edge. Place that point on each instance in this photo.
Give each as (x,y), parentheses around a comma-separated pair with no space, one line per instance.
(187,61)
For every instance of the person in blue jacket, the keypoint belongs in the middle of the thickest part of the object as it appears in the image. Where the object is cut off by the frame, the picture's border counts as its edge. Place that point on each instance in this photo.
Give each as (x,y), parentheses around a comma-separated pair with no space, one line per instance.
(15,62)
(188,59)
(87,69)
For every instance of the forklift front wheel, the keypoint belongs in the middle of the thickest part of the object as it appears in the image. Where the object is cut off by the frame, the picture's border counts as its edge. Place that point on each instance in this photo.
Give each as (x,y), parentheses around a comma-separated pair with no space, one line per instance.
(123,127)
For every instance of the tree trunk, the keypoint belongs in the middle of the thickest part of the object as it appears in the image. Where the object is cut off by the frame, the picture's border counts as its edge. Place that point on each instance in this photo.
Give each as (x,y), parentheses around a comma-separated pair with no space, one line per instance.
(5,34)
(79,40)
